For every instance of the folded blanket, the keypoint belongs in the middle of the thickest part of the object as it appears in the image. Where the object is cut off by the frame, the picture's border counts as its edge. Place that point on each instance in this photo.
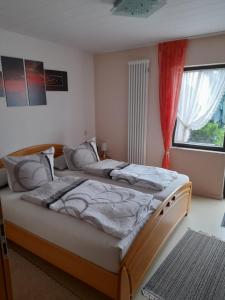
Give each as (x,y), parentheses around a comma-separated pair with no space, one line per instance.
(144,176)
(103,167)
(114,210)
(139,175)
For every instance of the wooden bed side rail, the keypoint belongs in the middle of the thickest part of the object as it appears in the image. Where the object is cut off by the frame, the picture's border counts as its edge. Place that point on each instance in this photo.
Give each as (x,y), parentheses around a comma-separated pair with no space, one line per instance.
(95,276)
(154,234)
(36,149)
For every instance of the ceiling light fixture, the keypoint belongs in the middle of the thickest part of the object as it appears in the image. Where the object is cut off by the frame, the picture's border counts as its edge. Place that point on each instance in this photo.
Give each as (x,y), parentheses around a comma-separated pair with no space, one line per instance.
(136,8)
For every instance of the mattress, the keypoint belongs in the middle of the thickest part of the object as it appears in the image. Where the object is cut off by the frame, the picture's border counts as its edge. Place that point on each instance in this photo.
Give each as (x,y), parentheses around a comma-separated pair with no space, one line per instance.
(162,195)
(67,232)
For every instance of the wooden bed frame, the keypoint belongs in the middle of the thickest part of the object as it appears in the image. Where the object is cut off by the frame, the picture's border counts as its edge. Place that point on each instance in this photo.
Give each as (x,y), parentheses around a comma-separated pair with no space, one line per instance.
(124,284)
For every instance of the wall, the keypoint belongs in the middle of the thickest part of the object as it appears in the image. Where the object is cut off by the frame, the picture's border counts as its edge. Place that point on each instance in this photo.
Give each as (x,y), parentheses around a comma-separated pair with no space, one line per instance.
(67,115)
(111,86)
(205,169)
(111,94)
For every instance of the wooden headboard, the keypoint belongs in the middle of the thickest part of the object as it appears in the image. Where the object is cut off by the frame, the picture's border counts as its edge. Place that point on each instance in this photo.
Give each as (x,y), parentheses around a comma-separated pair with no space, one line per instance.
(36,149)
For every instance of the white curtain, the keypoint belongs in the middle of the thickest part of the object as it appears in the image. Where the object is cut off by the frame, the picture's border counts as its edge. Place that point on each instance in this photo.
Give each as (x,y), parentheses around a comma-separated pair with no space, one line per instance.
(201,93)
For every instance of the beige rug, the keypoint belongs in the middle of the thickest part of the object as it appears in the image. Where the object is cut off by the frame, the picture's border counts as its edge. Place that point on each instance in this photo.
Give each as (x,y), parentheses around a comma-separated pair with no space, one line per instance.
(34,279)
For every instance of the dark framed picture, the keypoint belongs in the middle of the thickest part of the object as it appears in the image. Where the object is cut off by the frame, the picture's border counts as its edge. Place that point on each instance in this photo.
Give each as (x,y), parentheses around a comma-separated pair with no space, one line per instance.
(35,82)
(2,91)
(56,80)
(14,81)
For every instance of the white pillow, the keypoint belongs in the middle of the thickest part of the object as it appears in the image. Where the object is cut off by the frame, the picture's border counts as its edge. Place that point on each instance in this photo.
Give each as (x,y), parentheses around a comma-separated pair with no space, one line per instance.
(31,171)
(92,141)
(81,156)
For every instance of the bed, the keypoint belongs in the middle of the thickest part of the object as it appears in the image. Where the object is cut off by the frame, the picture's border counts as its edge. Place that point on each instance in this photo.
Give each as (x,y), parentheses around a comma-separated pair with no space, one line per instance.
(114,269)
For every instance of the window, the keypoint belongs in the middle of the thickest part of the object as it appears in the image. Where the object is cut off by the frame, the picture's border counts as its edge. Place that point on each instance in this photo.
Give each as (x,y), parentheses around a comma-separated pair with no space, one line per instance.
(201,111)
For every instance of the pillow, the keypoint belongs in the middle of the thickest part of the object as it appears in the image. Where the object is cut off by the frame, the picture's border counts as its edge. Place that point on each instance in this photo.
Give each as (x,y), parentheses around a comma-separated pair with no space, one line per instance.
(28,172)
(93,139)
(60,163)
(3,178)
(81,156)
(92,142)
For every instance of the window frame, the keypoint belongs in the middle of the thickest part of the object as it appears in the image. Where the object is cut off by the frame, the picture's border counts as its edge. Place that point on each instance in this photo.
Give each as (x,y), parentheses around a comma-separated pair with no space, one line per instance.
(193,146)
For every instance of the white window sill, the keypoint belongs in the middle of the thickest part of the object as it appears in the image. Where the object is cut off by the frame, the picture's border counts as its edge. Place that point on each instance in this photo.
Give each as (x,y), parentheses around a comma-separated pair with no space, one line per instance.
(197,150)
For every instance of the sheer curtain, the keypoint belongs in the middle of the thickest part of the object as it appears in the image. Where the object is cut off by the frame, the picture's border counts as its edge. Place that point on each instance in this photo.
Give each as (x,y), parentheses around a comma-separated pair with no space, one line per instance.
(201,93)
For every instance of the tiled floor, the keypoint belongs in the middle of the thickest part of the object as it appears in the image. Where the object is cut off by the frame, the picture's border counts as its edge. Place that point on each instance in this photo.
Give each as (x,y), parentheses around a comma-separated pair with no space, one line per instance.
(206,215)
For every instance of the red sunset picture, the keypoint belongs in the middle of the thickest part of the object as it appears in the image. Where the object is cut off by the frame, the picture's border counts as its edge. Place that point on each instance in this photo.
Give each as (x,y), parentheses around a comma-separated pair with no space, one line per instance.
(35,82)
(2,92)
(14,81)
(24,82)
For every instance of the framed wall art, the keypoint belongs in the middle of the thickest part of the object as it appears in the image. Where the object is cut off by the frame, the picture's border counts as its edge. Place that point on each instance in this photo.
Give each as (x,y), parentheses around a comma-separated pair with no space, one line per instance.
(2,91)
(14,81)
(35,78)
(56,80)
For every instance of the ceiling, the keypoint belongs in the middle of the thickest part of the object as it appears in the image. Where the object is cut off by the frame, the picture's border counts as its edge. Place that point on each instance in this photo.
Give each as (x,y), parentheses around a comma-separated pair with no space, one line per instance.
(89,24)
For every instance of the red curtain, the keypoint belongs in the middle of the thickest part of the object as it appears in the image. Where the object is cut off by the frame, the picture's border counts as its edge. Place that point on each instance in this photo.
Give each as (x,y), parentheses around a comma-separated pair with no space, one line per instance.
(171,56)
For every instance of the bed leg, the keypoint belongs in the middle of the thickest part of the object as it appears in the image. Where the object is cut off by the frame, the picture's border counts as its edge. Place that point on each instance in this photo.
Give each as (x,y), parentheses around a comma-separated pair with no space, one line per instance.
(124,292)
(189,201)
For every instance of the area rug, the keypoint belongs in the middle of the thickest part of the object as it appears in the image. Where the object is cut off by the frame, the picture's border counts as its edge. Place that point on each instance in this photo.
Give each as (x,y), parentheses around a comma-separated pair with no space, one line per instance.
(35,279)
(194,269)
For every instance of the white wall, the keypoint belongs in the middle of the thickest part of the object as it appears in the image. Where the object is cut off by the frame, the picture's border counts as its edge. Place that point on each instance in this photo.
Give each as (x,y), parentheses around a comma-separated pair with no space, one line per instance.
(67,115)
(206,170)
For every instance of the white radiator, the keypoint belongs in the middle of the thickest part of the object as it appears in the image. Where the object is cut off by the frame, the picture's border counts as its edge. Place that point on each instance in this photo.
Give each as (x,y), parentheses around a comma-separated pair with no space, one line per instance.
(137,110)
